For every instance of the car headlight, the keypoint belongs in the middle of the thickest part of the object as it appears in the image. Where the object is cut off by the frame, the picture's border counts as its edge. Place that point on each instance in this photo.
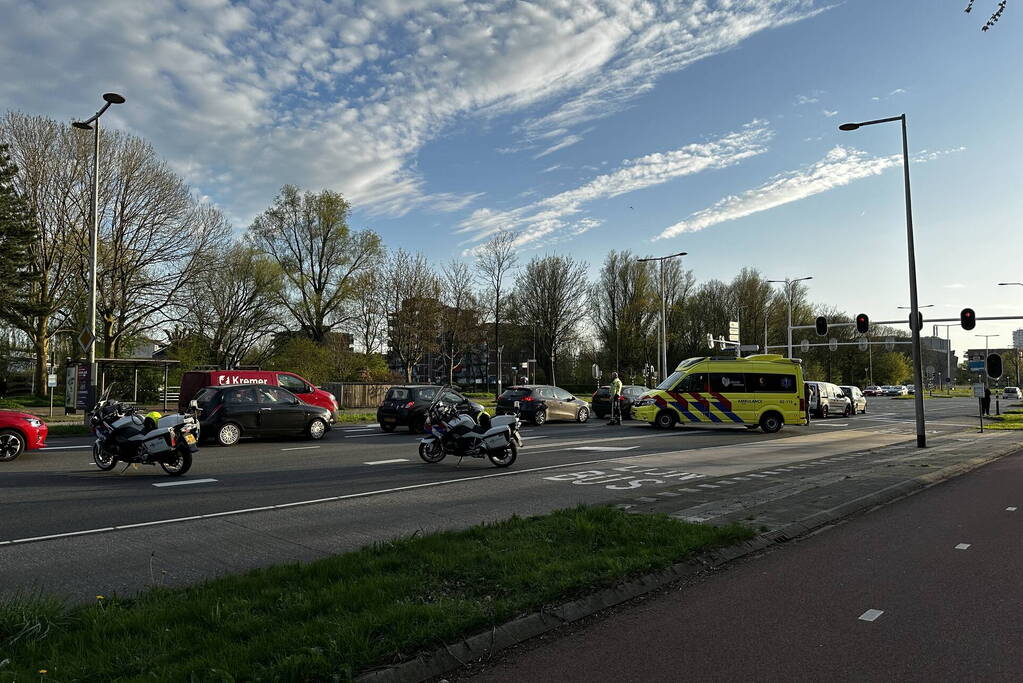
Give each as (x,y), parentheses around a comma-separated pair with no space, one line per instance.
(35,422)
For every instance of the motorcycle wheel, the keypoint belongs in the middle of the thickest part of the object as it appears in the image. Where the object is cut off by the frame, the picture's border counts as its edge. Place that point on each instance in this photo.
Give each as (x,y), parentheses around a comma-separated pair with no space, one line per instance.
(105,461)
(432,452)
(504,457)
(178,466)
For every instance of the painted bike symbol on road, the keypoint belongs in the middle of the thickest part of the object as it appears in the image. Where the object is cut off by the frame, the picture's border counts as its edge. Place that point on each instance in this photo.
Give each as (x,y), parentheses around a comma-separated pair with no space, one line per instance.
(625,478)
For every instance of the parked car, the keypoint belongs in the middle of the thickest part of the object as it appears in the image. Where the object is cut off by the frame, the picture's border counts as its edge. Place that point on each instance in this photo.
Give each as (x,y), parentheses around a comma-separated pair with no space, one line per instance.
(1012,393)
(873,391)
(405,406)
(910,388)
(895,390)
(20,432)
(229,413)
(600,402)
(542,402)
(825,398)
(192,382)
(857,397)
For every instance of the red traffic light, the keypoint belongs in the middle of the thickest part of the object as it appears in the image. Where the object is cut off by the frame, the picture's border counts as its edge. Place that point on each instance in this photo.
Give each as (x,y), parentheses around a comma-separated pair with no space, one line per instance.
(967,318)
(862,323)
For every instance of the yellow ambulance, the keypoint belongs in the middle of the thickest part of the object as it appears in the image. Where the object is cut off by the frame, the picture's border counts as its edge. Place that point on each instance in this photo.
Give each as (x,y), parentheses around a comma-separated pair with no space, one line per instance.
(765,390)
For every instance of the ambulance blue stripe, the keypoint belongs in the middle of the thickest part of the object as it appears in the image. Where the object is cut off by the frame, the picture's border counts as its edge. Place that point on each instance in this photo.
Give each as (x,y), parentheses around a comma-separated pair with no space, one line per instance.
(686,413)
(706,411)
(728,413)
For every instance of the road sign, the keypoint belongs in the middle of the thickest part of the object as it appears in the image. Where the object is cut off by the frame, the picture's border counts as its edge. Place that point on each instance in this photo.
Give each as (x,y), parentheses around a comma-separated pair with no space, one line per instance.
(862,344)
(733,330)
(889,343)
(525,365)
(51,381)
(596,371)
(978,391)
(930,369)
(804,345)
(86,339)
(749,348)
(976,365)
(833,344)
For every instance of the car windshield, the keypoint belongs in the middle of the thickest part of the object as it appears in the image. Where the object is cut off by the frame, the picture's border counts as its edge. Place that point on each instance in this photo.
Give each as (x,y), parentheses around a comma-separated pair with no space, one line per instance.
(397,394)
(516,392)
(671,380)
(204,396)
(602,391)
(426,394)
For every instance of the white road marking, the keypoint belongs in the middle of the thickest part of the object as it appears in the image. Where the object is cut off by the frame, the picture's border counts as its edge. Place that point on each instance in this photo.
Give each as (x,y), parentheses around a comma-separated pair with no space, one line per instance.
(1010,509)
(61,448)
(603,448)
(668,493)
(962,546)
(385,462)
(360,436)
(526,438)
(186,481)
(835,424)
(646,500)
(708,486)
(359,429)
(299,448)
(871,615)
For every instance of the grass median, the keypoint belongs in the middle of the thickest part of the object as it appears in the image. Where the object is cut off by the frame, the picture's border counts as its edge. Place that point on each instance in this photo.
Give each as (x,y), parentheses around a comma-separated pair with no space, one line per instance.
(334,618)
(1011,419)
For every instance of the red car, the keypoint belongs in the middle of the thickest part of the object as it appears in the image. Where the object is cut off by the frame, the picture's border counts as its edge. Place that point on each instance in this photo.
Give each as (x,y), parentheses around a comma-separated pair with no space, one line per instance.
(20,432)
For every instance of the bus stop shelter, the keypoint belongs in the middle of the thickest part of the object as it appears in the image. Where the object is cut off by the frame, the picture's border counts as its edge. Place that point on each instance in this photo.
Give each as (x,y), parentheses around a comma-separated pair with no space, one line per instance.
(77,377)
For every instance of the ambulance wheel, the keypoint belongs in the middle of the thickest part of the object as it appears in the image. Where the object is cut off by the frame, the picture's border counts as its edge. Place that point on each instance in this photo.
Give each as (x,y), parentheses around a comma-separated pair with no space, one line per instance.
(771,422)
(665,420)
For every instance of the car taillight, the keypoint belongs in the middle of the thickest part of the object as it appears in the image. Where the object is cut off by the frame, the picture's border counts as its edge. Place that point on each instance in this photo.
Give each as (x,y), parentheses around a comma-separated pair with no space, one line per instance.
(527,398)
(410,404)
(802,404)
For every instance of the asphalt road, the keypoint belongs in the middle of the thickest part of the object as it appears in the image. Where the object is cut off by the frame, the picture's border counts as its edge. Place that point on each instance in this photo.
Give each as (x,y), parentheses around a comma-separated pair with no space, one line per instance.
(925,590)
(59,491)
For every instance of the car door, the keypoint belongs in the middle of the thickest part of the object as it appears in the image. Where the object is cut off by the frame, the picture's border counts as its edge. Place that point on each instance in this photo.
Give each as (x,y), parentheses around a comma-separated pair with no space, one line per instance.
(567,404)
(241,406)
(554,409)
(280,412)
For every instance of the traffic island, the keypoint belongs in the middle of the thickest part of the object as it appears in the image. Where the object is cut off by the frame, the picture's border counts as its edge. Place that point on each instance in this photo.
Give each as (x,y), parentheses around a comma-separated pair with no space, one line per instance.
(334,618)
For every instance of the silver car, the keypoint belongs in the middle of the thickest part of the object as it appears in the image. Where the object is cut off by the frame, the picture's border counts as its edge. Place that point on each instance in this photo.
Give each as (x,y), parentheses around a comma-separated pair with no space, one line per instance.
(824,399)
(857,397)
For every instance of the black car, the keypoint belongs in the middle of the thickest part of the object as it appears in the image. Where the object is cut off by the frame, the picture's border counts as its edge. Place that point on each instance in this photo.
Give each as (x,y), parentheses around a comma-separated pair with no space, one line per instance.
(542,402)
(601,400)
(406,405)
(228,413)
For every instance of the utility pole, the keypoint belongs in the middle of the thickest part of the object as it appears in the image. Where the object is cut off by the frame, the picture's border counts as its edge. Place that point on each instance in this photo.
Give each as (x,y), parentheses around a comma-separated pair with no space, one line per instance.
(788,291)
(662,341)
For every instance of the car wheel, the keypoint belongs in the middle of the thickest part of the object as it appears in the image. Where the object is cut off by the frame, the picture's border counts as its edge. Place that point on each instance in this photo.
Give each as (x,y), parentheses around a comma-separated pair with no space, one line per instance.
(539,417)
(583,415)
(771,422)
(384,426)
(11,445)
(665,420)
(316,429)
(823,412)
(229,434)
(848,411)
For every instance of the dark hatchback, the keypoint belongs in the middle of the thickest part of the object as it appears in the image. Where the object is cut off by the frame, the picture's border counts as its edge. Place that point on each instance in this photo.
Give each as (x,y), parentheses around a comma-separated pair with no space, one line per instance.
(542,402)
(405,406)
(601,400)
(228,413)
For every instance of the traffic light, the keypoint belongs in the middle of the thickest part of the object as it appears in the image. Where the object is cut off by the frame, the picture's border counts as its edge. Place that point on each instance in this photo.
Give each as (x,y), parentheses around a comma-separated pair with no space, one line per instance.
(710,340)
(822,326)
(967,318)
(994,366)
(862,323)
(916,323)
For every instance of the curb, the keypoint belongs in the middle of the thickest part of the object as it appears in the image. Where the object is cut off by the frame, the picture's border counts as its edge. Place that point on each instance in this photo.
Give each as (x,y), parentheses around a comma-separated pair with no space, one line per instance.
(521,629)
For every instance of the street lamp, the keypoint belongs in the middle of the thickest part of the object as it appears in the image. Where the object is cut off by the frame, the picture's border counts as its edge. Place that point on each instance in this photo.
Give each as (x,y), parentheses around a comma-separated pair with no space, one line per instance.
(788,293)
(921,434)
(663,336)
(93,125)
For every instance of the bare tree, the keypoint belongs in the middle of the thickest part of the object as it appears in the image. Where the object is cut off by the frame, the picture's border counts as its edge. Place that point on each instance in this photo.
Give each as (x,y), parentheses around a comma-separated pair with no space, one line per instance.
(624,307)
(461,315)
(549,291)
(233,306)
(495,260)
(53,178)
(321,258)
(413,309)
(368,322)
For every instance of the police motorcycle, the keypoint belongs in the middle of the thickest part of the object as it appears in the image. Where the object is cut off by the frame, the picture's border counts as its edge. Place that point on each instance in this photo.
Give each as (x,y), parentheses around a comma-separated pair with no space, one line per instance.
(122,435)
(451,433)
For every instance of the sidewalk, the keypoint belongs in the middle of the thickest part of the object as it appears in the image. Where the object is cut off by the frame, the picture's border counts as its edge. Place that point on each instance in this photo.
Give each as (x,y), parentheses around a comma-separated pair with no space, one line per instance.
(927,589)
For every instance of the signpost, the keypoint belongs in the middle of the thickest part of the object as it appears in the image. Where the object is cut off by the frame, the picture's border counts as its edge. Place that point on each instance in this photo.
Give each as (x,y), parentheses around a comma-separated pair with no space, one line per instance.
(978,391)
(833,344)
(862,344)
(51,384)
(733,330)
(804,345)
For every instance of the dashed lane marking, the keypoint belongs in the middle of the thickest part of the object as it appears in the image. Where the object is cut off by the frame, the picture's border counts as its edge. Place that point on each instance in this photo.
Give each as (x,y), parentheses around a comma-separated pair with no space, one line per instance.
(1010,509)
(871,615)
(962,546)
(299,448)
(63,448)
(185,482)
(386,462)
(602,448)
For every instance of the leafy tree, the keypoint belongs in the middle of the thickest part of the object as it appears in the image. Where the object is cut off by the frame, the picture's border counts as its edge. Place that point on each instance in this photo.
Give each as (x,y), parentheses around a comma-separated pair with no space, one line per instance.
(17,236)
(320,257)
(495,260)
(413,309)
(625,309)
(304,357)
(891,367)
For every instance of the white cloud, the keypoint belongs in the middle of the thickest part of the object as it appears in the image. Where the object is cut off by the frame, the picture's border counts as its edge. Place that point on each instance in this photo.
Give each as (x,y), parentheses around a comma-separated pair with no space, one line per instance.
(549,169)
(567,141)
(955,285)
(553,217)
(897,91)
(841,166)
(811,98)
(248,96)
(829,113)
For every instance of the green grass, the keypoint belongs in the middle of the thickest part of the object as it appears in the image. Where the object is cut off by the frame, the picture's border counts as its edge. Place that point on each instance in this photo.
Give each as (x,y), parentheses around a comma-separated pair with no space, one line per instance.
(356,418)
(77,429)
(1008,420)
(336,617)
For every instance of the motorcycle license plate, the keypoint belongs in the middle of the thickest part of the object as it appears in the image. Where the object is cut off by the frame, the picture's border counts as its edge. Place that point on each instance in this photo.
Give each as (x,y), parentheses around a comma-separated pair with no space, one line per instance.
(189,439)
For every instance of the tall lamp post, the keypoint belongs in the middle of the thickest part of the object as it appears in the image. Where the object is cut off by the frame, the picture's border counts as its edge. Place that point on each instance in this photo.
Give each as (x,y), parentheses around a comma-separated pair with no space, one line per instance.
(93,125)
(1017,350)
(662,339)
(921,434)
(788,296)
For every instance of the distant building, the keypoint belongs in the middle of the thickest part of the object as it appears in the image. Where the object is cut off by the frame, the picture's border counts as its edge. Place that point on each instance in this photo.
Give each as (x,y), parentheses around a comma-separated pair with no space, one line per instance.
(1017,339)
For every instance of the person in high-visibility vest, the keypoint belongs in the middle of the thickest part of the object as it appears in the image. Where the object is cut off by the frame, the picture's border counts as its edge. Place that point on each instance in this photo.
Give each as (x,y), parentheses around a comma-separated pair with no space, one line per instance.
(616,400)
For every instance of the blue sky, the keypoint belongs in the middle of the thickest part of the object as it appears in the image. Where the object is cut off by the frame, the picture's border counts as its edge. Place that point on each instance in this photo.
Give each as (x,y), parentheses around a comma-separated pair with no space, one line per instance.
(709,126)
